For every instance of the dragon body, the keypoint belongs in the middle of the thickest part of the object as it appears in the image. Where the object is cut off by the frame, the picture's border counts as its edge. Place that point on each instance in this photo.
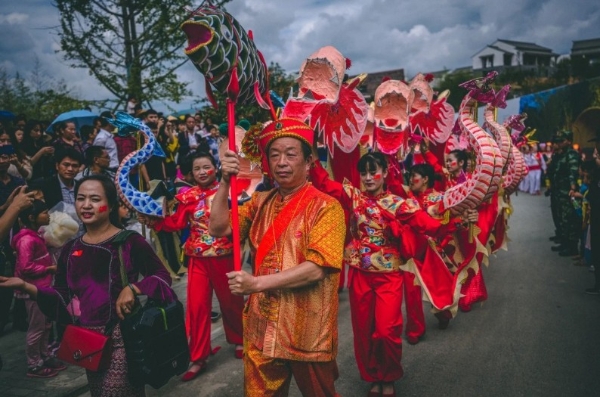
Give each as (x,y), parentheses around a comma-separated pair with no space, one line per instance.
(516,168)
(500,133)
(136,200)
(515,171)
(485,179)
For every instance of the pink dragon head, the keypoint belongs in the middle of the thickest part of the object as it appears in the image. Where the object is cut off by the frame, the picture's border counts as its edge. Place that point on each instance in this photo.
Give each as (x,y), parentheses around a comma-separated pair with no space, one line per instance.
(322,75)
(393,99)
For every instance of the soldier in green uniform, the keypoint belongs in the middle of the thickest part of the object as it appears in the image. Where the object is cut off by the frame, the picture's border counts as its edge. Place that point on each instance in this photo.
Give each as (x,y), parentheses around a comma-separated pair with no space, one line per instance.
(564,182)
(553,201)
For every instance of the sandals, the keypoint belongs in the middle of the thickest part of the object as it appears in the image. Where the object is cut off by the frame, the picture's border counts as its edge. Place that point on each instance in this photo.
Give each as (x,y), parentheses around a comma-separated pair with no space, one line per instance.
(41,372)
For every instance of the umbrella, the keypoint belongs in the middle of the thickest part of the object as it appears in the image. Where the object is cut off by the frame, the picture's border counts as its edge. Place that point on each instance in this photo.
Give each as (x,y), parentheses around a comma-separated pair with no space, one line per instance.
(6,115)
(79,117)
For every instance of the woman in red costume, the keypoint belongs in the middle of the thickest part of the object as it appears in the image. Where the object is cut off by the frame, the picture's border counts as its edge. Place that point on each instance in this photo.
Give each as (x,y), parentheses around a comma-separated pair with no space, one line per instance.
(374,258)
(209,259)
(456,165)
(473,290)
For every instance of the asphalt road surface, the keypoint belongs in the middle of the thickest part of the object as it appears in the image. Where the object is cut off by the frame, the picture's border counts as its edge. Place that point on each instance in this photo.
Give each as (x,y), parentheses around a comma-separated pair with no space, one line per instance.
(537,335)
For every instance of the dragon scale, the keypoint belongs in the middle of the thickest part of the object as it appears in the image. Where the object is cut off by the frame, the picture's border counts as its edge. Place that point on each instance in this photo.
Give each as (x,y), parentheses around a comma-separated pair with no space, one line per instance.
(487,173)
(217,45)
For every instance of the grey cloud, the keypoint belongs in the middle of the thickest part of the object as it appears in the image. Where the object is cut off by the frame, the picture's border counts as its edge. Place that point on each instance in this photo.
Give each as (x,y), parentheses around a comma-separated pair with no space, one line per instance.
(416,35)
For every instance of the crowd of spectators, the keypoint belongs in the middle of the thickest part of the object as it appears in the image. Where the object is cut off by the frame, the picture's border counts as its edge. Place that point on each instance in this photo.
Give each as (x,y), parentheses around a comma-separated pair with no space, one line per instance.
(573,179)
(40,164)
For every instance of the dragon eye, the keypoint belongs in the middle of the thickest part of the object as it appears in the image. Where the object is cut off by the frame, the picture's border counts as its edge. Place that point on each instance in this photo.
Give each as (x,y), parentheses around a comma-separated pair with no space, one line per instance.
(226,33)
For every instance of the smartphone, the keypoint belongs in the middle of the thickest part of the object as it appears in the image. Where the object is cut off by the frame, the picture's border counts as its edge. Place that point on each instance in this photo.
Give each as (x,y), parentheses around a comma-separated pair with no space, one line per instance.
(7,150)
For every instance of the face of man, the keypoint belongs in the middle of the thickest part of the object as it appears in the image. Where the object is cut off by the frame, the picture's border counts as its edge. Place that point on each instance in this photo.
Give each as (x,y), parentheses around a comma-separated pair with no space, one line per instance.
(287,163)
(104,160)
(152,118)
(190,123)
(67,169)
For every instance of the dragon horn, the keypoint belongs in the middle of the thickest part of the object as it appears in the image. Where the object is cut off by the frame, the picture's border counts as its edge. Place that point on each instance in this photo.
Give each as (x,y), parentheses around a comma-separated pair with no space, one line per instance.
(356,81)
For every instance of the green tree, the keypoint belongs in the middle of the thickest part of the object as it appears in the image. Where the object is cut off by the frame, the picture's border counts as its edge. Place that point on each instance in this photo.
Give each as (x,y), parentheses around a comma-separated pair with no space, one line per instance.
(450,82)
(132,47)
(38,96)
(279,82)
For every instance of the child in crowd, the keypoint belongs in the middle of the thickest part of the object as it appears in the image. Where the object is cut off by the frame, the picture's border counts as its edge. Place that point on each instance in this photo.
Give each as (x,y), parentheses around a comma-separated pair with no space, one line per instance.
(34,265)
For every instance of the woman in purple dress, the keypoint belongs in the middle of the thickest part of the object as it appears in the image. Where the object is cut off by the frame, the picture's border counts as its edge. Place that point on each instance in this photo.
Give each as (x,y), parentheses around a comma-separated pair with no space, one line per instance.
(89,268)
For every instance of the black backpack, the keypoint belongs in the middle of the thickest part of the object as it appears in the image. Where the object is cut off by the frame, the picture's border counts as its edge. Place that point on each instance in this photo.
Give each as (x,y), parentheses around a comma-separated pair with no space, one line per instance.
(156,344)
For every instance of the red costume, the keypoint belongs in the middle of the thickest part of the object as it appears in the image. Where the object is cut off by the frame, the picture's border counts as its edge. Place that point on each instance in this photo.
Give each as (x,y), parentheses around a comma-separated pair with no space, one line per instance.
(375,279)
(210,259)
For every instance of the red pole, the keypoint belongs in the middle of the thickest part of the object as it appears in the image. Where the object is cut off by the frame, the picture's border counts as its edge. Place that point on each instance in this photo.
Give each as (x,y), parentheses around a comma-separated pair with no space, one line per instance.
(235,222)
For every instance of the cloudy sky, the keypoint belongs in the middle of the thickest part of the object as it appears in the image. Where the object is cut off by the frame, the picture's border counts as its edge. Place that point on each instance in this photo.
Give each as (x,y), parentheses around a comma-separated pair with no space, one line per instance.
(377,35)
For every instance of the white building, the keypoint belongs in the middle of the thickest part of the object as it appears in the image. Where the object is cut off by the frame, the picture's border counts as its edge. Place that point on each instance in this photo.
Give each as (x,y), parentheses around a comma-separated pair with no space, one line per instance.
(504,54)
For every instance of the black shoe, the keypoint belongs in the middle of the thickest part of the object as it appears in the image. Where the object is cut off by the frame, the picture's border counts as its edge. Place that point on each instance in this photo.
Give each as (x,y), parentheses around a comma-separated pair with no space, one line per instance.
(214,316)
(592,291)
(557,248)
(568,252)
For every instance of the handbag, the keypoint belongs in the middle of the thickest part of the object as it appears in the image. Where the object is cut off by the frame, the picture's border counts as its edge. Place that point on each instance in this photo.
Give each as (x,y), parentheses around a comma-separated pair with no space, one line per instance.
(156,345)
(85,348)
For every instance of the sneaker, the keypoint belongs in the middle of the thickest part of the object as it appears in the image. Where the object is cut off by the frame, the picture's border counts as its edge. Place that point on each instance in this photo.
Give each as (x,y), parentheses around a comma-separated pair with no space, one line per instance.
(53,363)
(214,316)
(41,372)
(592,269)
(592,291)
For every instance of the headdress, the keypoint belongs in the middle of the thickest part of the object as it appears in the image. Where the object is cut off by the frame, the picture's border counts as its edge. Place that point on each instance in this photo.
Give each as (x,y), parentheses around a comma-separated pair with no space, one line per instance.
(259,137)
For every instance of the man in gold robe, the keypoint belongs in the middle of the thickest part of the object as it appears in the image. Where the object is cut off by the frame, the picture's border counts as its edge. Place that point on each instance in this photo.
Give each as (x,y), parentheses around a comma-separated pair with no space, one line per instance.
(297,235)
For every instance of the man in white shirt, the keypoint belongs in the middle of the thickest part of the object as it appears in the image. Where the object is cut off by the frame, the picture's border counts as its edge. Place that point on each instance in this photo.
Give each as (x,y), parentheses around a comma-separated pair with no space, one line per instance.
(105,139)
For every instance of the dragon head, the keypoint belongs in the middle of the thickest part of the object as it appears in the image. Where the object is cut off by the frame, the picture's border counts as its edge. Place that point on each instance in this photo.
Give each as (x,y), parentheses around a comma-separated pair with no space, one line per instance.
(322,75)
(393,99)
(207,29)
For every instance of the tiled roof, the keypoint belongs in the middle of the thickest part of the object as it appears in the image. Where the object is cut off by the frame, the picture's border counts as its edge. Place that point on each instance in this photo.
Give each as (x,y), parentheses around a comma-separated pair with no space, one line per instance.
(525,46)
(499,49)
(585,46)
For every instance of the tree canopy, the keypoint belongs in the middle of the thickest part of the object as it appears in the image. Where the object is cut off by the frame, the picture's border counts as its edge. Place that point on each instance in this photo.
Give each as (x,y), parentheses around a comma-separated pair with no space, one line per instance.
(38,96)
(279,82)
(131,47)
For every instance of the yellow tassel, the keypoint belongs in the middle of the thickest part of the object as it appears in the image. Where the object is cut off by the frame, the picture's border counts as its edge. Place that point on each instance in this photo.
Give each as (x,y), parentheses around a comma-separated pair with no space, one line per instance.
(445,218)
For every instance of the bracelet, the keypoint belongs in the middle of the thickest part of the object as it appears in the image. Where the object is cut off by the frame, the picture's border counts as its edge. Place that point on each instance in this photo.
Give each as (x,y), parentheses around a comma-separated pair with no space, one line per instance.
(132,289)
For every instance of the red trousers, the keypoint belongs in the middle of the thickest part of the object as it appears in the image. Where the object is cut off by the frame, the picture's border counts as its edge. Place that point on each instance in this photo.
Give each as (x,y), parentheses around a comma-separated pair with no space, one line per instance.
(376,309)
(204,274)
(413,304)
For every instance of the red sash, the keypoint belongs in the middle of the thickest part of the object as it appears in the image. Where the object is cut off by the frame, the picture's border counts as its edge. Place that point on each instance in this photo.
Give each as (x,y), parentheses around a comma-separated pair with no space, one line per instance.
(280,224)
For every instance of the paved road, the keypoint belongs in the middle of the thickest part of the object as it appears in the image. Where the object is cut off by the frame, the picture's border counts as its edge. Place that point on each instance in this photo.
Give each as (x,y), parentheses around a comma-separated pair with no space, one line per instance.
(537,335)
